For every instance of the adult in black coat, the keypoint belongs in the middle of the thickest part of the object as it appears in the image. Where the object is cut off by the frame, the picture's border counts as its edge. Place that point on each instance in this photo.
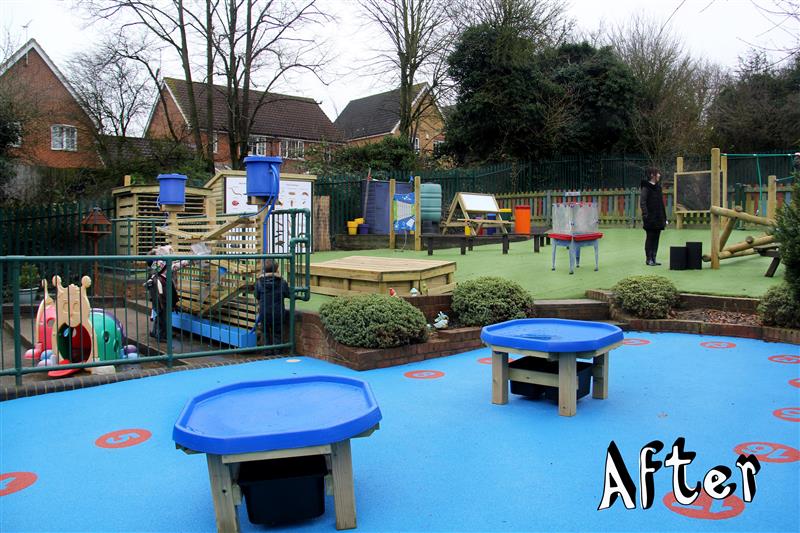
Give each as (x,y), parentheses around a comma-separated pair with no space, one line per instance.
(654,216)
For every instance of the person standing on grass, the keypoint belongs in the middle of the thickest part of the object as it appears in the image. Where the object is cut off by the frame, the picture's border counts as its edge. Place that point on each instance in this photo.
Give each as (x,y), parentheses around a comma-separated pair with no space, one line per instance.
(654,216)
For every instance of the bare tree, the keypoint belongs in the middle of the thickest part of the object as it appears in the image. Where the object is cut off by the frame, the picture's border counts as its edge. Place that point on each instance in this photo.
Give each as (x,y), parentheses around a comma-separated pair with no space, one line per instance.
(257,44)
(167,21)
(676,90)
(112,88)
(252,44)
(784,15)
(420,34)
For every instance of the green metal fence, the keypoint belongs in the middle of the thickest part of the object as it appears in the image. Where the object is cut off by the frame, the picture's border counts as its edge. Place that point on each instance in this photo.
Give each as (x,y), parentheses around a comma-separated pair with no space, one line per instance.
(573,173)
(216,311)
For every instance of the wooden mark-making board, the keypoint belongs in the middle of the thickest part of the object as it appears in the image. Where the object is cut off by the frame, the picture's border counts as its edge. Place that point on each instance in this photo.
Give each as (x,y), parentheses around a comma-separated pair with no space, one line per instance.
(357,274)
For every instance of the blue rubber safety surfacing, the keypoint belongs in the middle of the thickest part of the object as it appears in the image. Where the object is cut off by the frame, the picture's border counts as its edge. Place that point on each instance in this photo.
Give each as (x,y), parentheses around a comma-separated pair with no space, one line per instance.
(276,414)
(445,458)
(551,335)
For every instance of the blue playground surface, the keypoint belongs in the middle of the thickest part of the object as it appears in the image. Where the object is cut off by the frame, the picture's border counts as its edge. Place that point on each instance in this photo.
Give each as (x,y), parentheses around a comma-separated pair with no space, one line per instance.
(445,458)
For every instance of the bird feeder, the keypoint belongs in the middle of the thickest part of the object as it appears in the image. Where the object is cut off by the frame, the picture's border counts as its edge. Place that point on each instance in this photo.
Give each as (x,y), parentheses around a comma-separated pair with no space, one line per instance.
(95,226)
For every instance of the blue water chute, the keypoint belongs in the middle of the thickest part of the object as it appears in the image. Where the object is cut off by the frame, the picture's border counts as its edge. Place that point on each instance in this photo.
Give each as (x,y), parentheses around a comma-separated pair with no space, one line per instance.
(172,189)
(263,175)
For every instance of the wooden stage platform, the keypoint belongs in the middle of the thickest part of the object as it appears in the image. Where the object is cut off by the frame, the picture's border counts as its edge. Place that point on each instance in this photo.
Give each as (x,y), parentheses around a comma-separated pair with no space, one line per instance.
(357,274)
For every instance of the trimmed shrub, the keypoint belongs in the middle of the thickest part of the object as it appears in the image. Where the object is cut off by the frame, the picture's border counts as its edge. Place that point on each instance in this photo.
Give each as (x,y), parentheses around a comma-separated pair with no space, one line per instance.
(489,300)
(373,321)
(646,296)
(779,307)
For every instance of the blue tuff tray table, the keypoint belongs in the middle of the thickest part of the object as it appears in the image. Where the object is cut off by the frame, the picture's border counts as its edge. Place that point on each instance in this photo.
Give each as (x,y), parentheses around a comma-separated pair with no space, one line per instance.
(554,339)
(279,418)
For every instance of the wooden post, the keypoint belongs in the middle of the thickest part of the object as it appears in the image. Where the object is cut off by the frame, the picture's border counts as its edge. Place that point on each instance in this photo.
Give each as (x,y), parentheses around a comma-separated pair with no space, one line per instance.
(392,189)
(747,217)
(724,165)
(344,501)
(726,231)
(417,213)
(678,216)
(222,494)
(772,196)
(126,180)
(499,377)
(715,202)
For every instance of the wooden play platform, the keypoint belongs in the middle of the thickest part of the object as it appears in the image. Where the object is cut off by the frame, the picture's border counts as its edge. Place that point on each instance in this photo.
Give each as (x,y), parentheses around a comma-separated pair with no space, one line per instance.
(358,274)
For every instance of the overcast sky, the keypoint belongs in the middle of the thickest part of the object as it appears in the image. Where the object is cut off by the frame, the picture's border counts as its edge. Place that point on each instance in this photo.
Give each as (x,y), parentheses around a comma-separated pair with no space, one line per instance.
(717,30)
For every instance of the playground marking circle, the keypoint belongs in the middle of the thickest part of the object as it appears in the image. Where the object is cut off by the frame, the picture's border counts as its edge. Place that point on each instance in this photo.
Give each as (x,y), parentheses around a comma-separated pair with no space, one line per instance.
(705,507)
(488,360)
(790,414)
(424,374)
(785,359)
(12,482)
(769,452)
(795,382)
(635,342)
(718,345)
(123,438)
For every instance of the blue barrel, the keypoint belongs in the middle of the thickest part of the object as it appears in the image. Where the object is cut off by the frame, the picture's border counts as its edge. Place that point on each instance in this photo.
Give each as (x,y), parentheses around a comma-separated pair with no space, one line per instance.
(172,189)
(491,216)
(431,202)
(263,175)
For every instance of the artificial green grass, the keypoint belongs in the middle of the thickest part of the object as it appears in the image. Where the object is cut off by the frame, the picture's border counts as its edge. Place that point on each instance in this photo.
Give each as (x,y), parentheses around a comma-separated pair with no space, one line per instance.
(621,255)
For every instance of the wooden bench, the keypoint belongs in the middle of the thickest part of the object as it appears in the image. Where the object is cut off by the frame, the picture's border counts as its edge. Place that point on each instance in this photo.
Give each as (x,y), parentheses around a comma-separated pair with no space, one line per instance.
(466,242)
(770,250)
(539,234)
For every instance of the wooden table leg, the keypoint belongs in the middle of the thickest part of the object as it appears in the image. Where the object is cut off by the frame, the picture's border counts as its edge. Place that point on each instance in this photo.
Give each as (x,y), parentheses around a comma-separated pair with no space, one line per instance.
(344,499)
(567,384)
(773,266)
(499,378)
(223,494)
(600,377)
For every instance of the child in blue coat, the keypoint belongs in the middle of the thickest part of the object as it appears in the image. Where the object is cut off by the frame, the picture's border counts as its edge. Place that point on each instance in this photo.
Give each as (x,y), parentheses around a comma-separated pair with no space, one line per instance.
(271,289)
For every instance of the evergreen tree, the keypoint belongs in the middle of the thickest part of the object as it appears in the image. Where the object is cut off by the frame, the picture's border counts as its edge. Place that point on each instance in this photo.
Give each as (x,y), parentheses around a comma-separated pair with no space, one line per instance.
(788,234)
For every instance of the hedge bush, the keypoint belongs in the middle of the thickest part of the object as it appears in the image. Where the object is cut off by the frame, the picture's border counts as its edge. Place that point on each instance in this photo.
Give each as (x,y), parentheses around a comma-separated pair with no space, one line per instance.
(489,300)
(779,307)
(373,321)
(646,296)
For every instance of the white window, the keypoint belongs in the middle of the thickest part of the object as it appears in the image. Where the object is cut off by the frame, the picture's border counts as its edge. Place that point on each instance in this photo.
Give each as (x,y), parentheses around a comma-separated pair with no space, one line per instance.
(258,145)
(416,144)
(292,149)
(215,141)
(64,137)
(18,127)
(437,147)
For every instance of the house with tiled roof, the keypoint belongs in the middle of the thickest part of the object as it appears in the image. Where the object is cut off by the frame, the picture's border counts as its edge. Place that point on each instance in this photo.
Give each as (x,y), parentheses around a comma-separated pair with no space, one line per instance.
(56,131)
(283,125)
(370,119)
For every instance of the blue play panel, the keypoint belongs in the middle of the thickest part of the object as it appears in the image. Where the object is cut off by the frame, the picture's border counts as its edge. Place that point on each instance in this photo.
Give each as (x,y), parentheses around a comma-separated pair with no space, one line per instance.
(276,414)
(103,459)
(551,335)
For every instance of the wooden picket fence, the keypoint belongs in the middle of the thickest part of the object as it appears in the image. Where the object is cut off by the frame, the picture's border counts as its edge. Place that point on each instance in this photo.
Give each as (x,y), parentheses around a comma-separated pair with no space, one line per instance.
(620,207)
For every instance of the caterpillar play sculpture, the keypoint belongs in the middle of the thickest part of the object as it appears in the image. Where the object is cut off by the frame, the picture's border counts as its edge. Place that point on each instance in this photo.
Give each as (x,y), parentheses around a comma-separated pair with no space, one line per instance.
(74,337)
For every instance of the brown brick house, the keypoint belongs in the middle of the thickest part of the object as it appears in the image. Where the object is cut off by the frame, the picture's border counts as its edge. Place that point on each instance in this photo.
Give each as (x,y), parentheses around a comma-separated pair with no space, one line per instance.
(56,131)
(284,125)
(370,119)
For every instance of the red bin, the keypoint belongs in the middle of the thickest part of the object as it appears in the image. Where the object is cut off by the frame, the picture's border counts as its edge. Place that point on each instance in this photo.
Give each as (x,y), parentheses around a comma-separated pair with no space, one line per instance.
(522,219)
